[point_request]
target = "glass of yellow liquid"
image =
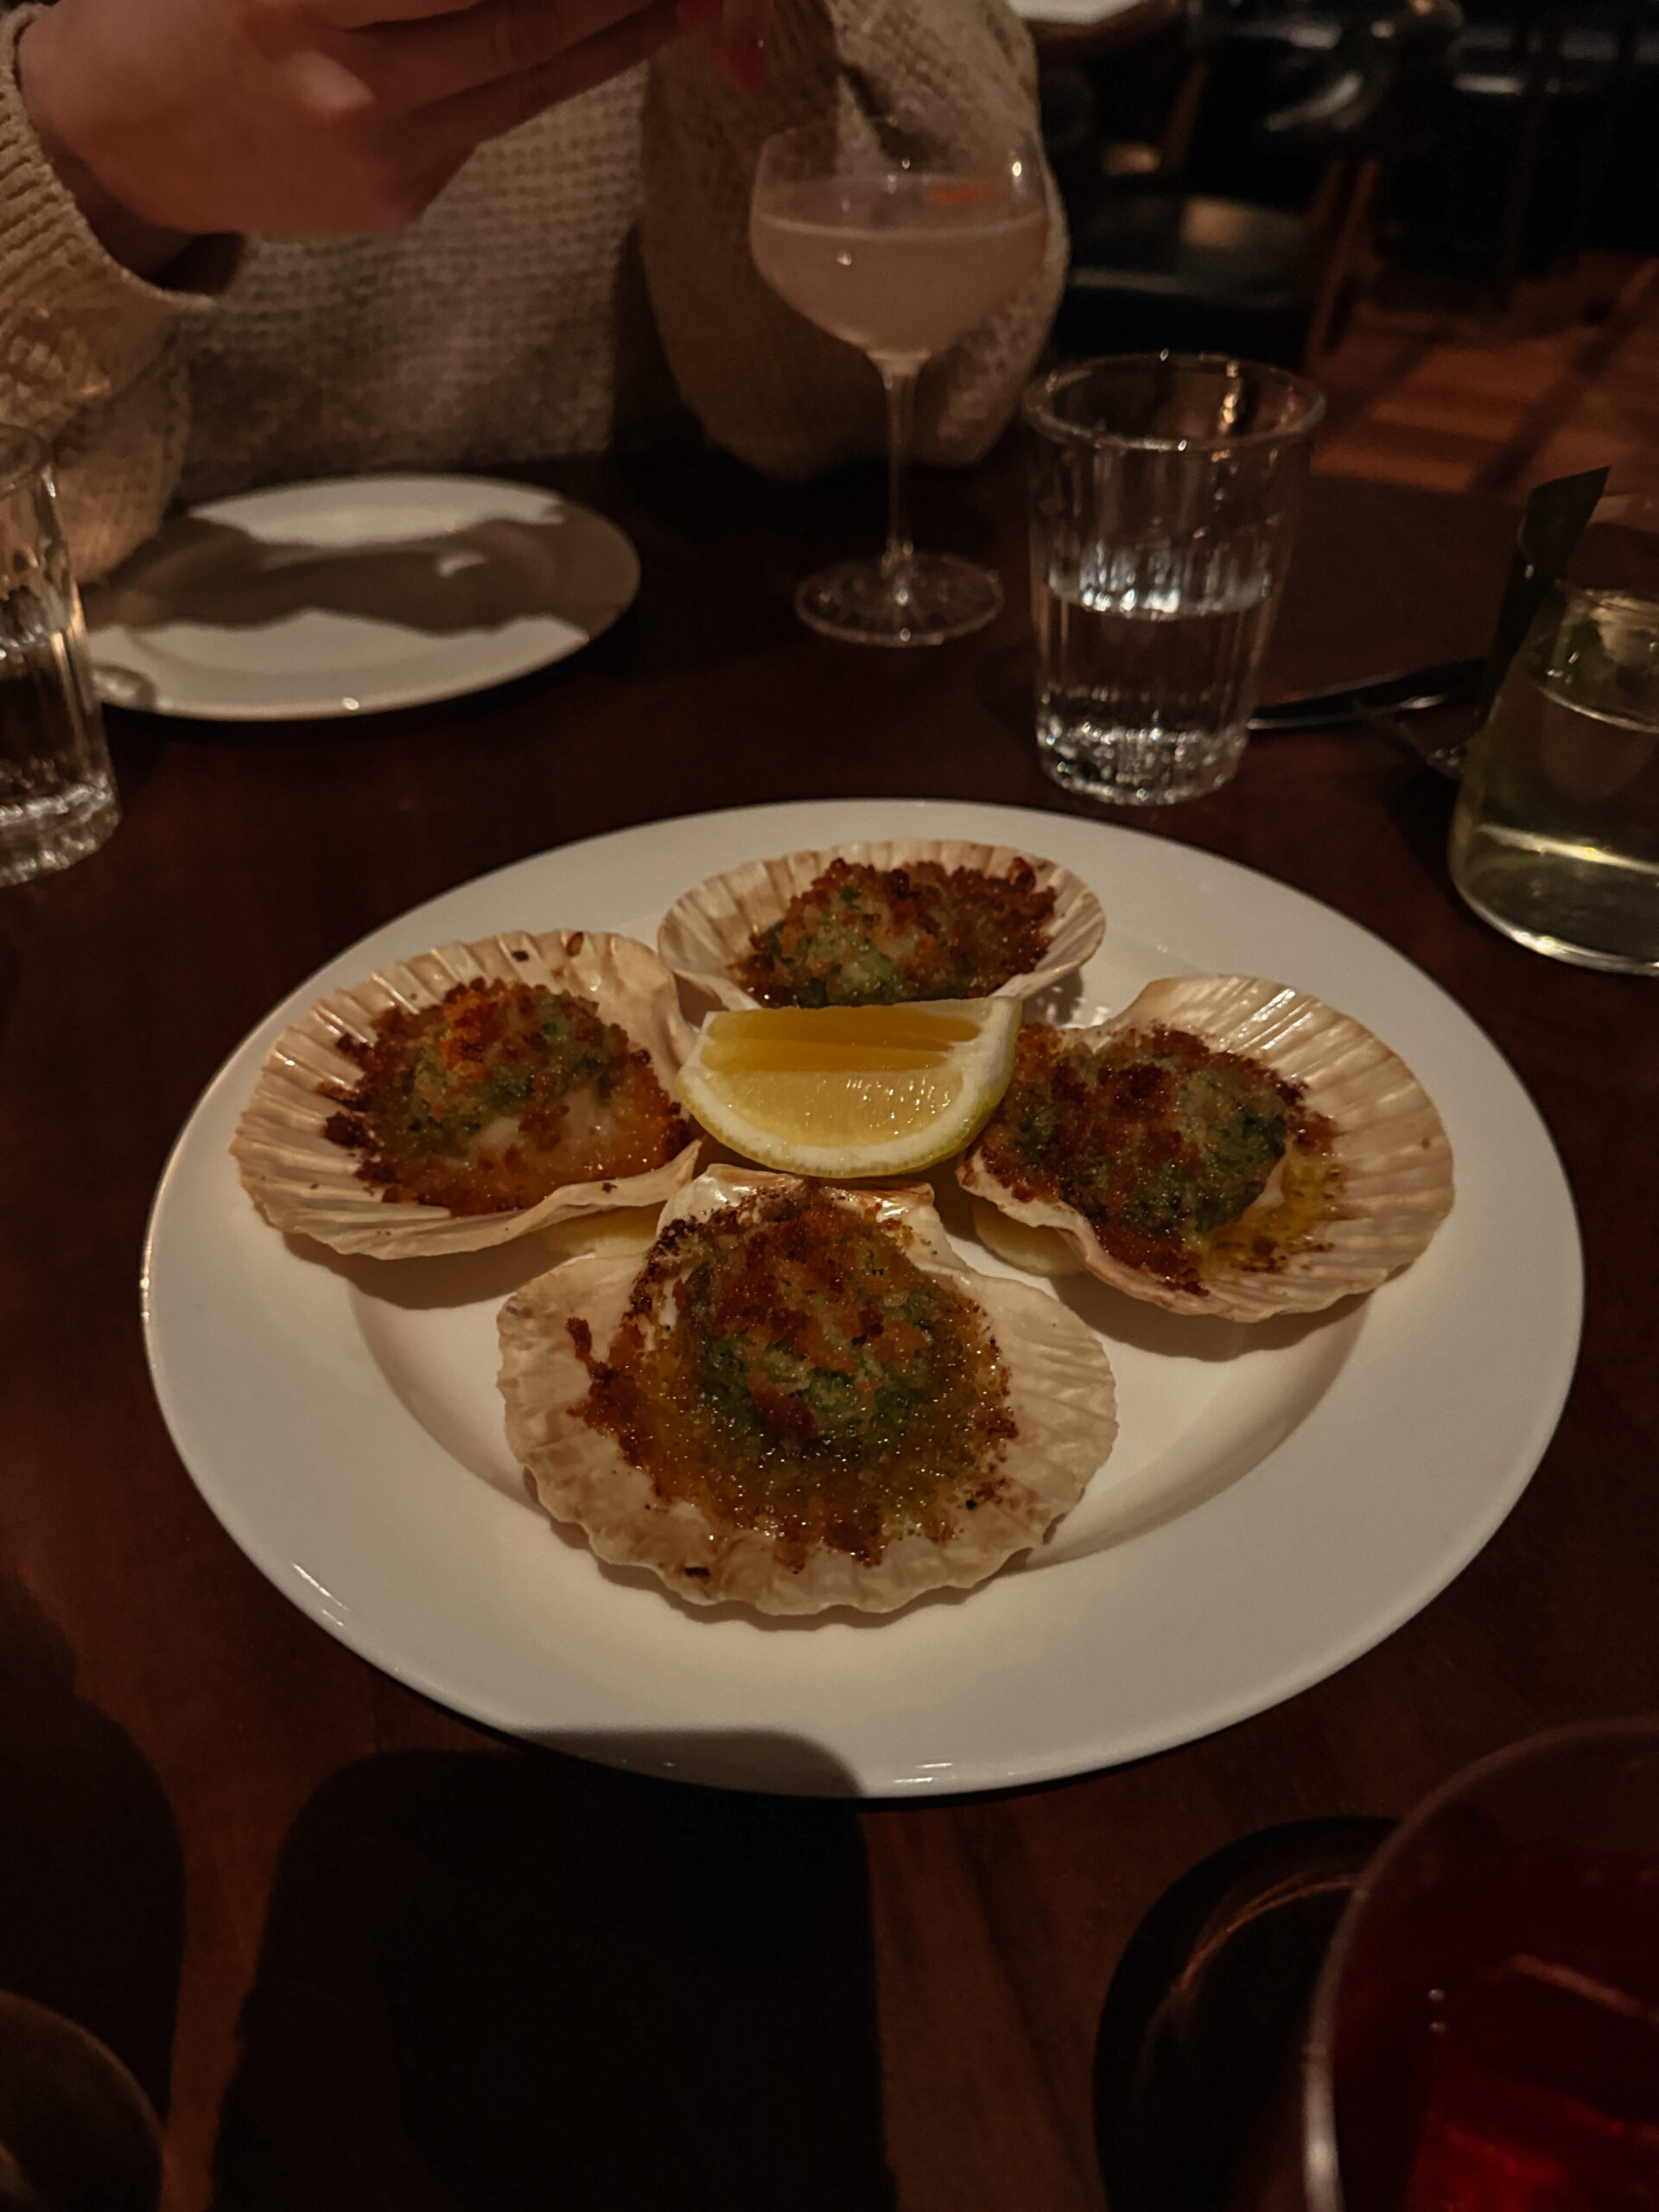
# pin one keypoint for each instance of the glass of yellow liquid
(1555, 839)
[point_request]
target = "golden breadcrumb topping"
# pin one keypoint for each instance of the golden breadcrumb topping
(500, 1095)
(785, 1366)
(861, 936)
(1163, 1145)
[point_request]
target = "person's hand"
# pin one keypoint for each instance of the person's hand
(170, 118)
(734, 32)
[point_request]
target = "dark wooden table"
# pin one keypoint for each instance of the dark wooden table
(417, 1969)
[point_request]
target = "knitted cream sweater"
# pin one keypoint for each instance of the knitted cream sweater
(568, 281)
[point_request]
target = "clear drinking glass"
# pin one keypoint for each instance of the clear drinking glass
(76, 2130)
(1485, 2032)
(1555, 839)
(57, 792)
(1164, 495)
(897, 238)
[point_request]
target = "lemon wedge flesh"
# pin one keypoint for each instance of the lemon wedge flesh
(852, 1090)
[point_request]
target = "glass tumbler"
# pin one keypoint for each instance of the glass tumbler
(1164, 492)
(1556, 838)
(57, 792)
(1485, 2031)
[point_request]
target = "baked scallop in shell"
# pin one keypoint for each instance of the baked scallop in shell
(871, 924)
(471, 1094)
(1225, 1146)
(802, 1399)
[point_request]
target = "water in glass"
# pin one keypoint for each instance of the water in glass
(1556, 835)
(57, 794)
(1163, 497)
(1144, 669)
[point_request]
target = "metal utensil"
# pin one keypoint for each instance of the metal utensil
(1441, 683)
(1445, 758)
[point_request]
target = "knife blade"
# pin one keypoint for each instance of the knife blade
(1404, 693)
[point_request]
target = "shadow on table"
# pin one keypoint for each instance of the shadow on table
(1419, 804)
(479, 578)
(496, 1979)
(91, 1875)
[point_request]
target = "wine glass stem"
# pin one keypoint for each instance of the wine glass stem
(899, 380)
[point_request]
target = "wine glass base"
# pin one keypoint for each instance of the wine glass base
(933, 598)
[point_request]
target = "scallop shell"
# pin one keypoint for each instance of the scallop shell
(1060, 1394)
(307, 1184)
(1395, 1161)
(705, 933)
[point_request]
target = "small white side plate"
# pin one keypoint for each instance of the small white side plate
(354, 596)
(1085, 12)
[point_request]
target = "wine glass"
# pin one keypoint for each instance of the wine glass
(1485, 2031)
(898, 239)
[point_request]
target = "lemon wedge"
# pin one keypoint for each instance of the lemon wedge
(852, 1090)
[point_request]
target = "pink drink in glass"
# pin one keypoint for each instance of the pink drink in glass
(898, 265)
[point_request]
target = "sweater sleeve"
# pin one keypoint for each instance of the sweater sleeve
(91, 358)
(763, 382)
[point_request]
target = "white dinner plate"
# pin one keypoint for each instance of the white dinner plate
(1281, 1497)
(353, 595)
(1071, 12)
